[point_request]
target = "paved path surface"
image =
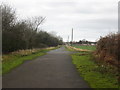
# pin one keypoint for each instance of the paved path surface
(53, 70)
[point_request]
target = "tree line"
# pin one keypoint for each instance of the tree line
(83, 42)
(24, 34)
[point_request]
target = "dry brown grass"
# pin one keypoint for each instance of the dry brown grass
(23, 52)
(78, 49)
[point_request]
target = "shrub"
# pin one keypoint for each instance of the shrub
(108, 49)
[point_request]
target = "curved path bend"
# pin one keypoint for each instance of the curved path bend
(53, 70)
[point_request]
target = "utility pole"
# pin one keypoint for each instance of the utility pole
(72, 37)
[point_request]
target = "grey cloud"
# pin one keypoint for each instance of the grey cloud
(96, 17)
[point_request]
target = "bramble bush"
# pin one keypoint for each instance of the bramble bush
(108, 49)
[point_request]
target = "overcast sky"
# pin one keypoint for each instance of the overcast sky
(90, 19)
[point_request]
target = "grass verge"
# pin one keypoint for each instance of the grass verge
(87, 47)
(98, 76)
(14, 60)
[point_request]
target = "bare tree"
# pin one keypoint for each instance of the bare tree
(35, 22)
(38, 21)
(33, 25)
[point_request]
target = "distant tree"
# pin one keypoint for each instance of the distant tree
(80, 42)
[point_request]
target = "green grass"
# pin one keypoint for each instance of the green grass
(14, 61)
(86, 47)
(96, 75)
